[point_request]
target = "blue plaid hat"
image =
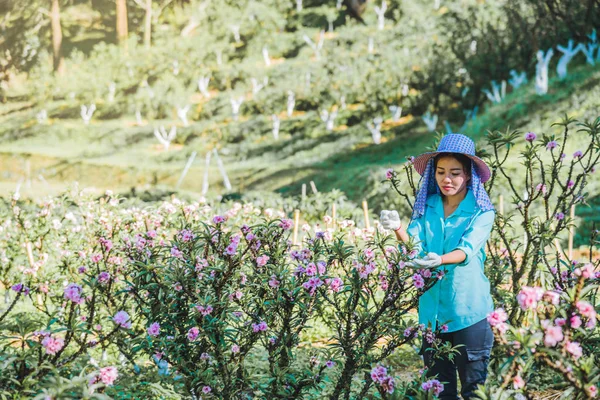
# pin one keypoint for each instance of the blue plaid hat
(480, 172)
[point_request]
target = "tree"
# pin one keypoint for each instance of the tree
(59, 63)
(146, 5)
(122, 29)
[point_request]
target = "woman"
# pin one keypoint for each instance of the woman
(452, 220)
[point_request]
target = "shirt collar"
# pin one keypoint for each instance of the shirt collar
(467, 206)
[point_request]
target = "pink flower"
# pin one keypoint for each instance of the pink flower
(518, 382)
(106, 244)
(497, 316)
(273, 282)
(586, 309)
(575, 321)
(530, 136)
(154, 329)
(177, 287)
(217, 219)
(575, 349)
(593, 390)
(418, 281)
(96, 257)
(541, 188)
(73, 292)
(389, 174)
(529, 296)
(553, 335)
(121, 318)
(193, 334)
(206, 389)
(559, 216)
(335, 284)
(262, 260)
(551, 297)
(587, 271)
(108, 375)
(551, 145)
(235, 348)
(53, 345)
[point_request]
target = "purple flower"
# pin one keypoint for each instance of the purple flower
(530, 136)
(411, 159)
(231, 249)
(286, 224)
(559, 216)
(551, 145)
(121, 318)
(186, 235)
(217, 219)
(154, 329)
(20, 288)
(434, 386)
(103, 277)
(389, 174)
(73, 292)
(262, 260)
(330, 363)
(418, 281)
(577, 154)
(193, 334)
(106, 244)
(175, 252)
(206, 389)
(570, 184)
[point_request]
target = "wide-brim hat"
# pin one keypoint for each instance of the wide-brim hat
(455, 143)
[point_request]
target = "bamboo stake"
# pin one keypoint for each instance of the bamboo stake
(501, 207)
(366, 212)
(571, 232)
(296, 221)
(303, 191)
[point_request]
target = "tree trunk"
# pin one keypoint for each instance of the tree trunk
(122, 30)
(59, 64)
(148, 24)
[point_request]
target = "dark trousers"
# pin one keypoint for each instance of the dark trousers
(471, 364)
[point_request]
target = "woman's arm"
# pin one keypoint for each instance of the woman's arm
(454, 257)
(401, 234)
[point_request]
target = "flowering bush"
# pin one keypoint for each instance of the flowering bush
(200, 300)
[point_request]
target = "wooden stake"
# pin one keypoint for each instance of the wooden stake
(501, 207)
(303, 191)
(333, 214)
(296, 222)
(313, 187)
(571, 232)
(366, 212)
(30, 255)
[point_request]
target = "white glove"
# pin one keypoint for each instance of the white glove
(390, 220)
(431, 260)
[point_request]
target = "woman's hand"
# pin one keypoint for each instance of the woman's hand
(431, 260)
(390, 220)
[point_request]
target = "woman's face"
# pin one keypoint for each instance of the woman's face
(451, 176)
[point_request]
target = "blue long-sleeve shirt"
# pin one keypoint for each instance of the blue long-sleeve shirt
(462, 297)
